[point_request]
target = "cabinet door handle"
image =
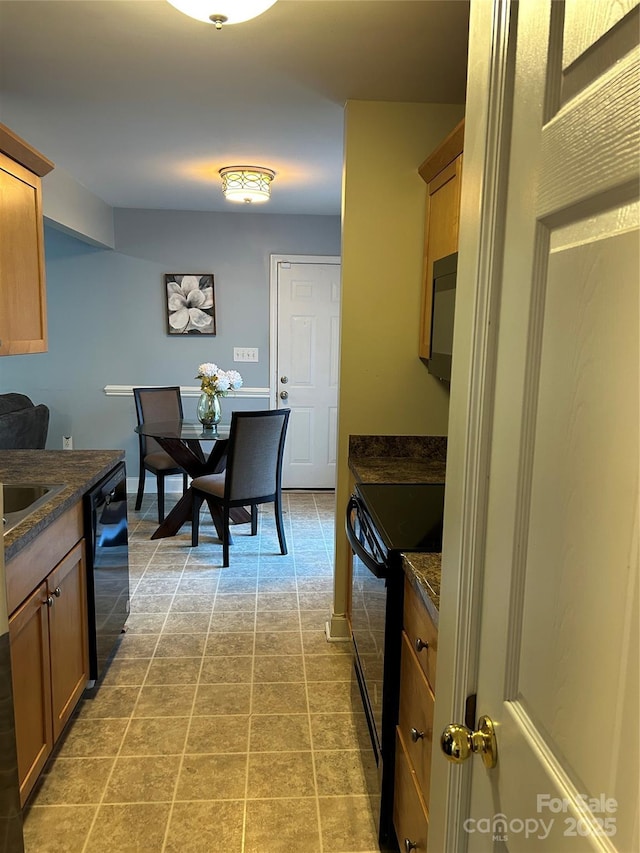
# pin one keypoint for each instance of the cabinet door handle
(409, 845)
(416, 735)
(49, 601)
(57, 592)
(421, 644)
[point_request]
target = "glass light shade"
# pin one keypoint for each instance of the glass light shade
(220, 12)
(247, 184)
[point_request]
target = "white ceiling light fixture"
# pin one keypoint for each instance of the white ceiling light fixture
(247, 184)
(219, 12)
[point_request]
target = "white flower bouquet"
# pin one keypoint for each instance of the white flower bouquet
(214, 380)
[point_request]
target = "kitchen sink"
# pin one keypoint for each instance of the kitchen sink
(21, 499)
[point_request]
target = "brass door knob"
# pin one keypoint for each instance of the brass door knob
(458, 742)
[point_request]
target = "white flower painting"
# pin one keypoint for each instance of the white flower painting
(190, 304)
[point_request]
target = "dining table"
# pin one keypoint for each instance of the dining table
(185, 442)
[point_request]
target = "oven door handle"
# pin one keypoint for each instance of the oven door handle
(377, 569)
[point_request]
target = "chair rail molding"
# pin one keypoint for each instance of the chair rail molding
(187, 391)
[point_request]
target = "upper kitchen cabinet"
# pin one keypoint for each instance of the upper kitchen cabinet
(23, 307)
(442, 172)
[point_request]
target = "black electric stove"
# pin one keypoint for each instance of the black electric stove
(382, 522)
(406, 516)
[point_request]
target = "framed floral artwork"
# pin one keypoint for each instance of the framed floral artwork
(191, 308)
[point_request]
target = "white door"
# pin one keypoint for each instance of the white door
(549, 546)
(307, 368)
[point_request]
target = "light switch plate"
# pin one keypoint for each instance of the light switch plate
(245, 353)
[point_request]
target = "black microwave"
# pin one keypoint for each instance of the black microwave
(442, 315)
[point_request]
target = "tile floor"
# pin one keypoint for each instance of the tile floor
(225, 723)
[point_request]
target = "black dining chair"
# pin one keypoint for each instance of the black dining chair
(253, 475)
(155, 405)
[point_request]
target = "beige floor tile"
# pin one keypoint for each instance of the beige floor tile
(226, 669)
(126, 672)
(110, 702)
(235, 602)
(346, 823)
(279, 698)
(233, 621)
(278, 620)
(330, 696)
(143, 779)
(129, 828)
(93, 738)
(165, 701)
(277, 601)
(229, 643)
(193, 603)
(328, 667)
(222, 733)
(145, 623)
(339, 772)
(279, 732)
(174, 671)
(316, 601)
(213, 699)
(180, 645)
(206, 827)
(157, 586)
(137, 646)
(151, 603)
(206, 777)
(74, 780)
(278, 643)
(280, 774)
(186, 623)
(337, 731)
(278, 668)
(155, 736)
(282, 826)
(315, 643)
(57, 829)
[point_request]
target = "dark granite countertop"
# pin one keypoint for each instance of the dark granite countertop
(77, 469)
(398, 458)
(405, 459)
(423, 571)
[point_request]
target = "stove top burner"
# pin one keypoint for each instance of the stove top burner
(407, 516)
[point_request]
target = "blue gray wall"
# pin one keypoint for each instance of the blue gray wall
(107, 316)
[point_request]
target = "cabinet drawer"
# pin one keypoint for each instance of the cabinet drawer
(416, 715)
(409, 814)
(421, 633)
(31, 565)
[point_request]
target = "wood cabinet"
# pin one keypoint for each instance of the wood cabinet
(414, 732)
(49, 653)
(442, 172)
(23, 308)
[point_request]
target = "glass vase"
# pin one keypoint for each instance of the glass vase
(209, 412)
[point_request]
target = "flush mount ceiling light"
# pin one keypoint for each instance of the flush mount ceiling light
(221, 12)
(247, 184)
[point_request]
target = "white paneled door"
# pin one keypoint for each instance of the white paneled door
(308, 331)
(556, 572)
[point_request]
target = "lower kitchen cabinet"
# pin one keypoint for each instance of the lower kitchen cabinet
(50, 662)
(414, 733)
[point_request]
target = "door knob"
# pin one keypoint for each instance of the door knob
(458, 742)
(284, 379)
(284, 395)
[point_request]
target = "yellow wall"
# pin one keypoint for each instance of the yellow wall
(385, 388)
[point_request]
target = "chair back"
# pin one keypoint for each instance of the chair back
(155, 405)
(23, 426)
(255, 451)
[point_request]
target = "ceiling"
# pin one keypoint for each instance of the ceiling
(142, 104)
